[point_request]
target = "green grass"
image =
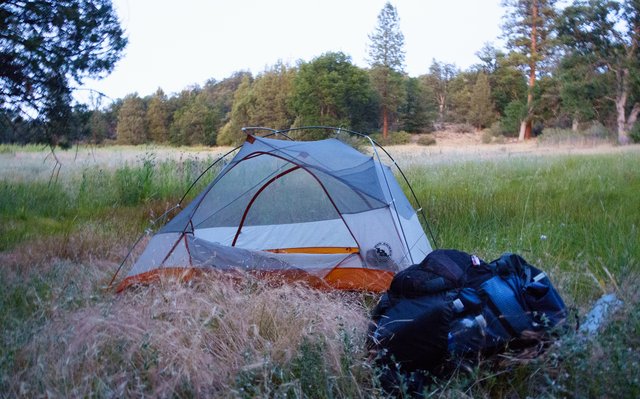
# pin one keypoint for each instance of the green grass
(32, 209)
(576, 217)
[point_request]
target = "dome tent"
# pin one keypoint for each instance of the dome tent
(314, 210)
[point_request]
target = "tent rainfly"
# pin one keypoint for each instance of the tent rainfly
(314, 210)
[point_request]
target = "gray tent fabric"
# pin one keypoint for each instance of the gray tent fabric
(321, 207)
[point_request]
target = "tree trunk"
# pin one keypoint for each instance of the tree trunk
(575, 124)
(385, 123)
(525, 131)
(624, 125)
(442, 100)
(523, 128)
(633, 116)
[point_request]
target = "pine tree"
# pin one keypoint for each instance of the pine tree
(529, 29)
(47, 48)
(386, 56)
(419, 109)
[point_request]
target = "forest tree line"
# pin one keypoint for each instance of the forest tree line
(574, 68)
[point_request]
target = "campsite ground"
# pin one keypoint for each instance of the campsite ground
(571, 209)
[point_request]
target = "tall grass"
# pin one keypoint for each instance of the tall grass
(577, 217)
(63, 335)
(131, 195)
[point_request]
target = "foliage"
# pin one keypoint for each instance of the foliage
(438, 80)
(132, 121)
(635, 133)
(507, 84)
(158, 117)
(529, 30)
(419, 109)
(461, 97)
(481, 112)
(386, 48)
(605, 35)
(395, 138)
(426, 140)
(386, 57)
(194, 123)
(48, 46)
(272, 91)
(331, 91)
(231, 133)
(513, 114)
(583, 69)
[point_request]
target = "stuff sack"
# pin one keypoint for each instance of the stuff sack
(455, 305)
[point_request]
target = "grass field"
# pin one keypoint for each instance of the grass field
(575, 216)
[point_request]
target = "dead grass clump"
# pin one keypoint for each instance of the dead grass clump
(174, 339)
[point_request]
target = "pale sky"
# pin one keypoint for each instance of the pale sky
(174, 44)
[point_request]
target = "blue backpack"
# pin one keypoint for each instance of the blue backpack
(455, 306)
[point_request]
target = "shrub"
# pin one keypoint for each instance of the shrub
(463, 128)
(426, 140)
(394, 138)
(634, 135)
(598, 130)
(513, 115)
(487, 136)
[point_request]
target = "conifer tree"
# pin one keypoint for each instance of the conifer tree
(49, 46)
(386, 57)
(529, 30)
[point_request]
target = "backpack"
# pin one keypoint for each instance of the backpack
(453, 306)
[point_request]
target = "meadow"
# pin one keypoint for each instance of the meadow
(64, 334)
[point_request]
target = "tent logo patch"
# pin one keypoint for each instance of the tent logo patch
(383, 251)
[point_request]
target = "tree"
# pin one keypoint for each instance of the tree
(461, 96)
(529, 30)
(439, 79)
(132, 121)
(607, 33)
(272, 92)
(158, 117)
(418, 109)
(243, 101)
(581, 88)
(47, 47)
(218, 96)
(195, 123)
(98, 126)
(481, 112)
(386, 55)
(330, 90)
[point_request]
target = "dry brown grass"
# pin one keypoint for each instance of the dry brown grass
(175, 339)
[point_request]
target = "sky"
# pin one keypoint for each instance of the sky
(175, 44)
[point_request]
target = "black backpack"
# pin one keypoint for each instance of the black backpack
(454, 305)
